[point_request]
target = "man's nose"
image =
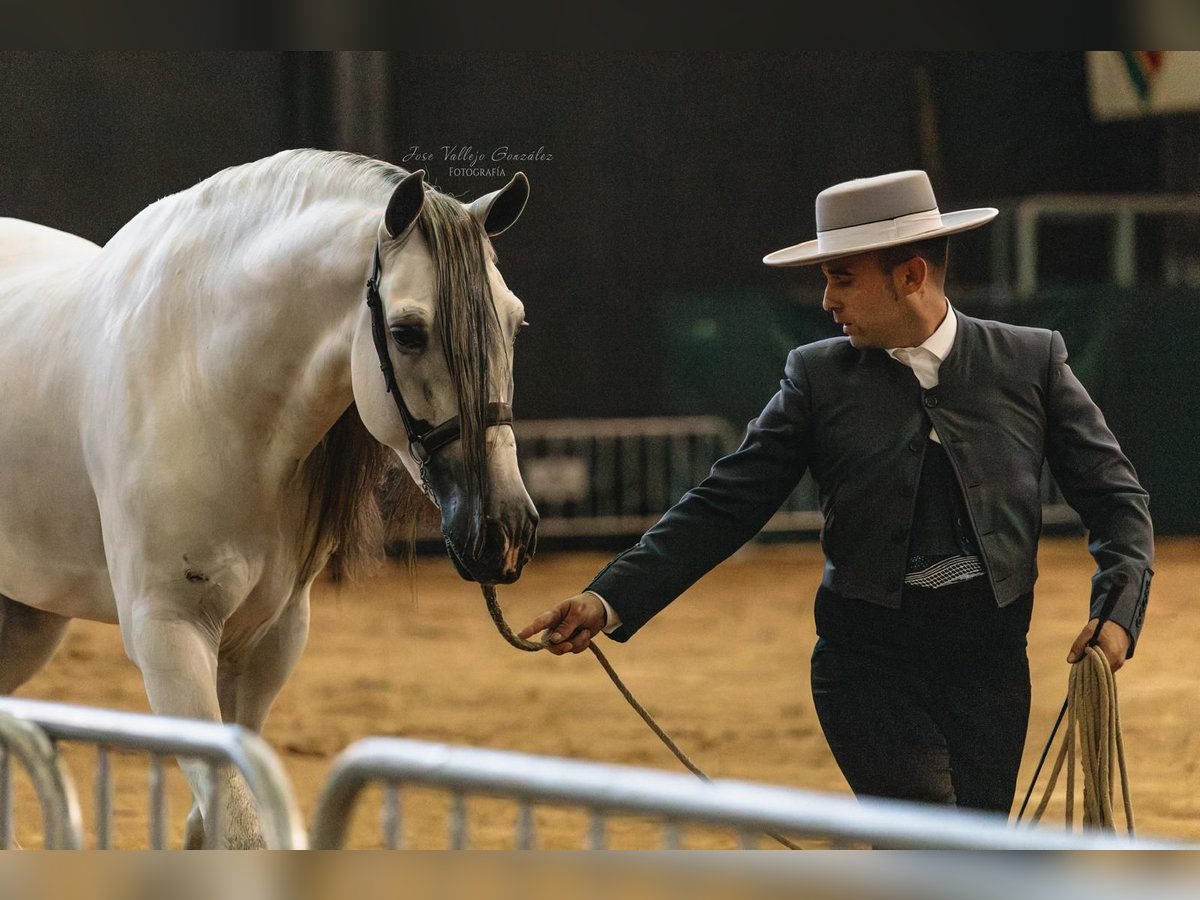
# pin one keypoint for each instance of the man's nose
(826, 303)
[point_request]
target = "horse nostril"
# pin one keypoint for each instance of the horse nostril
(508, 549)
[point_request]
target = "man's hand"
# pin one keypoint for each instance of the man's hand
(572, 624)
(1113, 643)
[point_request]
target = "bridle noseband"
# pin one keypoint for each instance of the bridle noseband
(424, 439)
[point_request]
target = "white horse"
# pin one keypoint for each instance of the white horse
(182, 446)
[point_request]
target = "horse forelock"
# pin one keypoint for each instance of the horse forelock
(468, 327)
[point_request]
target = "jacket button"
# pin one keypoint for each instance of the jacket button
(930, 401)
(914, 445)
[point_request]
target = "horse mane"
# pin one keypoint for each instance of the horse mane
(356, 489)
(292, 179)
(350, 490)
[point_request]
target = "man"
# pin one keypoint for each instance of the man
(926, 432)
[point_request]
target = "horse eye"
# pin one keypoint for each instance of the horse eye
(410, 338)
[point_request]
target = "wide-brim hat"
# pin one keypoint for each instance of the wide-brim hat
(873, 213)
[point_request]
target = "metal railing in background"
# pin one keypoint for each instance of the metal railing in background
(62, 827)
(614, 477)
(1018, 233)
(601, 477)
(677, 799)
(220, 746)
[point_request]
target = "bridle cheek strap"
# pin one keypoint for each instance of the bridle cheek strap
(424, 439)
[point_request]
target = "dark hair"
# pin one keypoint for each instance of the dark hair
(934, 251)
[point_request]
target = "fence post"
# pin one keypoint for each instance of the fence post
(61, 820)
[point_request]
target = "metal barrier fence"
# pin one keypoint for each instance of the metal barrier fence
(31, 729)
(603, 477)
(220, 746)
(605, 790)
(1017, 234)
(613, 477)
(61, 822)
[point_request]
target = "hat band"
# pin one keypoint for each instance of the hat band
(871, 233)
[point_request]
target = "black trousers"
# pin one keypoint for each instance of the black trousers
(929, 702)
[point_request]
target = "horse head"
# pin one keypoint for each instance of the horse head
(442, 328)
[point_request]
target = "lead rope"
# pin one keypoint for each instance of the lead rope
(489, 594)
(1091, 710)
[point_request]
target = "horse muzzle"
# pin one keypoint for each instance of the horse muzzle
(503, 550)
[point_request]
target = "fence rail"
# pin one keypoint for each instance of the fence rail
(1122, 212)
(607, 789)
(62, 825)
(29, 730)
(163, 736)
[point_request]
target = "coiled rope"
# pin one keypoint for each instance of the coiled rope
(1092, 712)
(493, 605)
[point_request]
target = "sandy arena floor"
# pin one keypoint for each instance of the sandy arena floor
(725, 669)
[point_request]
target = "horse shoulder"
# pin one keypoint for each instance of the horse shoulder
(191, 527)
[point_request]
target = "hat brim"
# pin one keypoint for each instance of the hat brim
(808, 253)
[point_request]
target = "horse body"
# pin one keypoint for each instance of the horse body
(169, 405)
(51, 551)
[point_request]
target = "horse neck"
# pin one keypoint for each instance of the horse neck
(257, 316)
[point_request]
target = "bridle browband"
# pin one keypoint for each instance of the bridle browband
(424, 439)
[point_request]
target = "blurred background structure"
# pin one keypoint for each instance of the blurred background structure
(659, 182)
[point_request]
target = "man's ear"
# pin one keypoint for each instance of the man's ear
(910, 276)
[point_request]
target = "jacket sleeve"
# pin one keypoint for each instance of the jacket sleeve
(1100, 484)
(741, 493)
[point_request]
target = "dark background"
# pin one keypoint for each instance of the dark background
(672, 174)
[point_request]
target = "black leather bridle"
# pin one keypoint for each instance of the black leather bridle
(424, 439)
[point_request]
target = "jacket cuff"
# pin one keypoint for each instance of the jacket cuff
(612, 621)
(605, 586)
(1124, 598)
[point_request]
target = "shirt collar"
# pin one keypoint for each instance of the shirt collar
(941, 341)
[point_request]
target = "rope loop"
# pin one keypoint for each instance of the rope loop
(1094, 735)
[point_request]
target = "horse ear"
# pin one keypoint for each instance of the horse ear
(497, 211)
(406, 204)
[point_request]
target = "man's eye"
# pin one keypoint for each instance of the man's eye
(411, 338)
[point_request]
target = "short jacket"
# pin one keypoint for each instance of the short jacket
(1006, 402)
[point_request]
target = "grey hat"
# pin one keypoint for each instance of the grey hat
(872, 213)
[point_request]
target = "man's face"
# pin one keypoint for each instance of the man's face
(865, 302)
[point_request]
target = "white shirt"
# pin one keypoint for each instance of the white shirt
(925, 361)
(613, 622)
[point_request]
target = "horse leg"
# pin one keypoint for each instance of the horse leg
(178, 660)
(247, 687)
(261, 676)
(28, 638)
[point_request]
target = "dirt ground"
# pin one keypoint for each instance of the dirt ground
(725, 668)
